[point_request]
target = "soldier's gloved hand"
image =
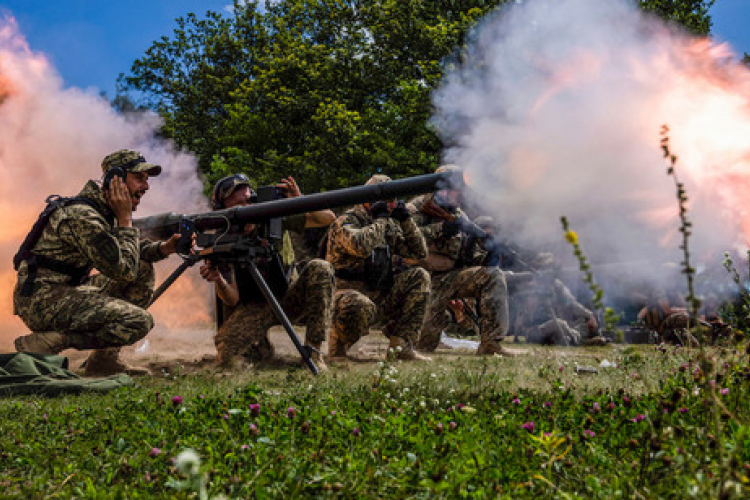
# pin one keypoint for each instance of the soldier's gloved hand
(400, 213)
(451, 227)
(379, 209)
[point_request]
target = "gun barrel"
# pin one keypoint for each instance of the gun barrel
(163, 225)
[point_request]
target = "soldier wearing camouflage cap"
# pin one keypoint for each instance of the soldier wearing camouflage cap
(366, 246)
(456, 263)
(306, 297)
(55, 295)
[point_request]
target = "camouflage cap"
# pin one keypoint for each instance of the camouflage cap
(448, 167)
(130, 161)
(225, 187)
(377, 179)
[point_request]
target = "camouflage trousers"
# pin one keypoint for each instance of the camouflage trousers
(558, 332)
(308, 300)
(399, 311)
(486, 285)
(102, 313)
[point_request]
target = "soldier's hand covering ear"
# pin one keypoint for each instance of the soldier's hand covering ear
(379, 209)
(451, 227)
(400, 213)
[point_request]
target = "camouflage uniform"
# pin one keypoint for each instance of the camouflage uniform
(454, 277)
(109, 309)
(548, 313)
(400, 309)
(308, 299)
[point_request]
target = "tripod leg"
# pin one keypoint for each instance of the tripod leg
(282, 317)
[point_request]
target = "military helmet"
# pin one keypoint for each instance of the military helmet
(225, 187)
(130, 161)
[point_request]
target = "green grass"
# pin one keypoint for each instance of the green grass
(653, 427)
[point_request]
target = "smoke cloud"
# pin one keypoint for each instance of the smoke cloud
(52, 140)
(556, 109)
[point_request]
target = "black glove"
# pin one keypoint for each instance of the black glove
(379, 209)
(451, 227)
(400, 213)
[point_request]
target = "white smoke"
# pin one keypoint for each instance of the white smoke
(556, 109)
(53, 139)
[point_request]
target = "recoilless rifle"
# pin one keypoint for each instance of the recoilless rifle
(220, 237)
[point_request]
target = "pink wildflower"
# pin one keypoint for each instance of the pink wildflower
(255, 409)
(155, 452)
(588, 433)
(177, 400)
(529, 426)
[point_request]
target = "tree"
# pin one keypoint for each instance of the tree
(691, 14)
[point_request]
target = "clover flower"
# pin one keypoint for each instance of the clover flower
(595, 407)
(529, 426)
(254, 409)
(355, 432)
(588, 433)
(452, 426)
(682, 410)
(176, 400)
(724, 391)
(155, 452)
(516, 401)
(547, 404)
(291, 412)
(253, 429)
(639, 418)
(439, 428)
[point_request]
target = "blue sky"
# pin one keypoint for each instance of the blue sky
(91, 42)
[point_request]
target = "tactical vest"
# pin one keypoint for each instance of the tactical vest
(78, 275)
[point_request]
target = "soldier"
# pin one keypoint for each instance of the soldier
(548, 313)
(54, 295)
(308, 296)
(366, 246)
(456, 264)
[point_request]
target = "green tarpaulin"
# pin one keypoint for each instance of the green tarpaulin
(22, 373)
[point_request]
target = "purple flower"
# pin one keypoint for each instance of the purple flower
(724, 391)
(595, 407)
(439, 428)
(516, 401)
(44, 417)
(547, 404)
(529, 426)
(177, 400)
(588, 433)
(459, 405)
(612, 405)
(639, 418)
(546, 434)
(254, 409)
(561, 368)
(253, 429)
(452, 426)
(225, 416)
(333, 413)
(291, 412)
(245, 447)
(155, 452)
(355, 432)
(682, 410)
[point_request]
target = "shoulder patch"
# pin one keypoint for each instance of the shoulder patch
(107, 247)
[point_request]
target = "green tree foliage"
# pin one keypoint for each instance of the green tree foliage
(691, 14)
(329, 91)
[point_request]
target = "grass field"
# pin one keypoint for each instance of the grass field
(660, 423)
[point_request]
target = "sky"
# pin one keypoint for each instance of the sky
(91, 42)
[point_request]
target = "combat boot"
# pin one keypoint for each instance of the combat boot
(490, 347)
(106, 362)
(404, 351)
(42, 343)
(317, 356)
(597, 341)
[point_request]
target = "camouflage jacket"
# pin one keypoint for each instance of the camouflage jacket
(446, 252)
(355, 234)
(79, 235)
